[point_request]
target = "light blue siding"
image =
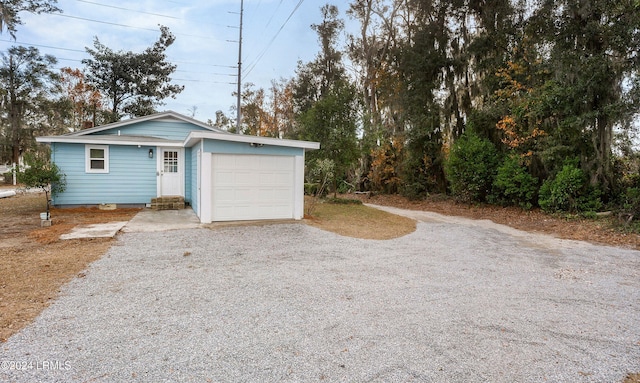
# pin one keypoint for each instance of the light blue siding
(194, 178)
(187, 175)
(227, 147)
(160, 129)
(131, 178)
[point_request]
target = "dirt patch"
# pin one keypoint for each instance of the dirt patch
(34, 262)
(360, 221)
(600, 231)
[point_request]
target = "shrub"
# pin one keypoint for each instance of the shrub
(386, 162)
(471, 167)
(44, 176)
(320, 173)
(629, 204)
(311, 188)
(344, 201)
(8, 178)
(568, 191)
(514, 185)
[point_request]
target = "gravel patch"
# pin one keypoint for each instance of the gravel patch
(447, 303)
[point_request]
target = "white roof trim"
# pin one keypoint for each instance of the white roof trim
(111, 140)
(195, 137)
(157, 116)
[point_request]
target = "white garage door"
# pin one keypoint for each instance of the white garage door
(246, 187)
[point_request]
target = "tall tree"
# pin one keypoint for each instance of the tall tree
(423, 61)
(328, 64)
(86, 102)
(26, 79)
(370, 52)
(282, 109)
(326, 102)
(315, 79)
(10, 12)
(254, 115)
(134, 83)
(593, 52)
(333, 121)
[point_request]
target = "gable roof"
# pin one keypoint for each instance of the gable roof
(164, 116)
(87, 137)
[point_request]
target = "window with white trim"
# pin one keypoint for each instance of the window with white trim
(96, 158)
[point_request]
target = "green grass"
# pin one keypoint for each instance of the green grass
(359, 221)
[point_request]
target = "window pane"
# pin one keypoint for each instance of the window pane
(96, 153)
(97, 164)
(170, 161)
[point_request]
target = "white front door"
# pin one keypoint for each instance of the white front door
(171, 172)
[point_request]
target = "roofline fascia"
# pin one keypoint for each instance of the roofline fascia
(194, 137)
(88, 140)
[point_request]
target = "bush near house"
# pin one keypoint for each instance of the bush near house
(514, 185)
(569, 191)
(471, 167)
(44, 176)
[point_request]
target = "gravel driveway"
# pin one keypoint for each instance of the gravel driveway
(455, 301)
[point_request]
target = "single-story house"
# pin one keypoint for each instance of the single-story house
(222, 176)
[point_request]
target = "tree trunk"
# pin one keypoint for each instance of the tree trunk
(602, 146)
(14, 115)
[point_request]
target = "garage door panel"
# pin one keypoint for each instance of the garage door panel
(244, 195)
(246, 187)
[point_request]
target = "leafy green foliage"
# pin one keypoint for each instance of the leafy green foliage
(134, 83)
(332, 121)
(327, 102)
(472, 167)
(422, 168)
(569, 191)
(311, 188)
(386, 163)
(320, 172)
(10, 12)
(514, 185)
(43, 175)
(26, 83)
(630, 203)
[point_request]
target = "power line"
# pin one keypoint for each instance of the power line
(264, 51)
(203, 64)
(129, 26)
(127, 9)
(203, 81)
(103, 22)
(21, 43)
(273, 14)
(206, 73)
(43, 46)
(266, 26)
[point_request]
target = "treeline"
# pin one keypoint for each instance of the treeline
(518, 102)
(506, 101)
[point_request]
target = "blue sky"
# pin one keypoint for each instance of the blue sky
(206, 48)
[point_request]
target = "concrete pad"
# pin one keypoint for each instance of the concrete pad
(7, 193)
(162, 220)
(99, 230)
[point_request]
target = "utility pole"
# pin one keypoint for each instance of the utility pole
(239, 111)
